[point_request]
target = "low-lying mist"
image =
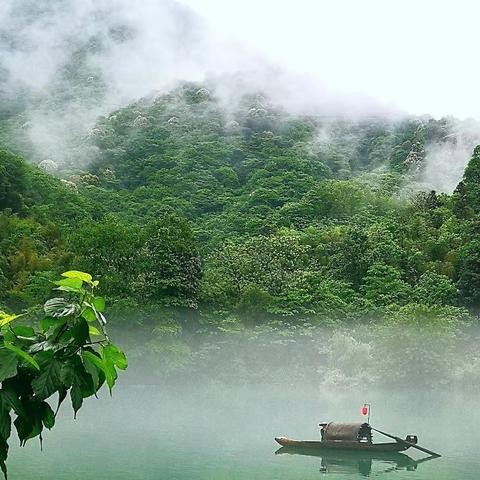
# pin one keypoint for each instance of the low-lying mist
(362, 357)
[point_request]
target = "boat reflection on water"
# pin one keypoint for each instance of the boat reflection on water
(351, 462)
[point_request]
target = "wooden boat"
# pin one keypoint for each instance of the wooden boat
(348, 436)
(358, 446)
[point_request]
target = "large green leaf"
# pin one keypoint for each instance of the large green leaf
(48, 416)
(99, 304)
(66, 374)
(31, 425)
(28, 333)
(6, 319)
(79, 332)
(62, 395)
(8, 335)
(86, 277)
(107, 367)
(48, 322)
(8, 364)
(82, 387)
(93, 330)
(95, 367)
(73, 283)
(59, 307)
(48, 380)
(76, 397)
(9, 399)
(110, 373)
(89, 314)
(95, 359)
(111, 353)
(24, 355)
(112, 357)
(5, 422)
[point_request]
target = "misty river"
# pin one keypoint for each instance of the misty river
(215, 416)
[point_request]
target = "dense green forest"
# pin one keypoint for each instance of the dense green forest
(195, 214)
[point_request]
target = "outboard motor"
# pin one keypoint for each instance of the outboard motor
(412, 439)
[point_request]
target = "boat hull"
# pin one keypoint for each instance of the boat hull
(341, 445)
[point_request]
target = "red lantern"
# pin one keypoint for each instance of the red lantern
(364, 410)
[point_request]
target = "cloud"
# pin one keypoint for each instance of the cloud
(445, 161)
(70, 61)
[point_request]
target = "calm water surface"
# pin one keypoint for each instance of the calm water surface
(150, 432)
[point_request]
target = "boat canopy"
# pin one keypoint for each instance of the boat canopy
(347, 432)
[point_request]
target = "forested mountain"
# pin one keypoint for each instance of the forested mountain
(243, 213)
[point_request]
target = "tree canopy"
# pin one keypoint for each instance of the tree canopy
(251, 210)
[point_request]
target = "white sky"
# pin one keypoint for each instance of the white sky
(422, 56)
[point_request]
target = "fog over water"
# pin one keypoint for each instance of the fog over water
(219, 423)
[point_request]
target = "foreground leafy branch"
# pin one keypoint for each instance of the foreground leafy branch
(59, 357)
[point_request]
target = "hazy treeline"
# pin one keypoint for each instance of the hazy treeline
(362, 356)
